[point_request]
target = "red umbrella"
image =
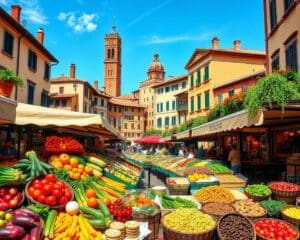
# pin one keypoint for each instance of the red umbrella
(151, 140)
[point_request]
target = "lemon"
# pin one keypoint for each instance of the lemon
(8, 216)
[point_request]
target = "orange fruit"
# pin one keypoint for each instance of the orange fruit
(71, 175)
(90, 193)
(58, 165)
(80, 171)
(76, 176)
(64, 158)
(82, 177)
(68, 167)
(92, 202)
(73, 162)
(75, 170)
(88, 169)
(80, 166)
(52, 158)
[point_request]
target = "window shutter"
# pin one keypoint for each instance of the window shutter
(198, 77)
(192, 80)
(207, 100)
(198, 102)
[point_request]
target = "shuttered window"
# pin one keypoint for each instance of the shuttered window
(199, 102)
(291, 60)
(207, 99)
(273, 14)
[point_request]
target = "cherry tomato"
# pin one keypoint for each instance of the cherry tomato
(31, 190)
(68, 194)
(44, 181)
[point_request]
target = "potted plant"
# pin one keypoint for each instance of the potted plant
(7, 81)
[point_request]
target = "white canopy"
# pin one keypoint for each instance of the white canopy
(48, 117)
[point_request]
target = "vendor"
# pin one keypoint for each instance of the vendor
(235, 159)
(8, 151)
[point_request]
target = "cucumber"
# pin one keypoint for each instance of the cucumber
(49, 223)
(87, 216)
(94, 167)
(96, 161)
(104, 209)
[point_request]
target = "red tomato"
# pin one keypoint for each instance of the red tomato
(51, 200)
(63, 200)
(42, 199)
(31, 190)
(36, 181)
(47, 190)
(44, 181)
(13, 191)
(56, 193)
(57, 186)
(68, 194)
(36, 194)
(50, 177)
(37, 185)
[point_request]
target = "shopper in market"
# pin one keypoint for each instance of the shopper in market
(235, 159)
(8, 151)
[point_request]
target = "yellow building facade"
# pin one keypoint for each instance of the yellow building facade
(282, 29)
(208, 67)
(25, 55)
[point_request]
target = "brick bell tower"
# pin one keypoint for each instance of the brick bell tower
(112, 63)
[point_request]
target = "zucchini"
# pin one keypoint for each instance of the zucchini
(94, 167)
(97, 214)
(87, 216)
(97, 223)
(49, 223)
(104, 209)
(96, 161)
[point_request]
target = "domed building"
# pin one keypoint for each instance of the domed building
(156, 71)
(155, 75)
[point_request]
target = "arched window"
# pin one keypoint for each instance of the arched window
(166, 121)
(159, 122)
(108, 53)
(113, 53)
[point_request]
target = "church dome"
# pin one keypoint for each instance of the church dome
(156, 65)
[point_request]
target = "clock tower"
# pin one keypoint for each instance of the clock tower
(112, 63)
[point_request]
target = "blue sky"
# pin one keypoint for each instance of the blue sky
(75, 31)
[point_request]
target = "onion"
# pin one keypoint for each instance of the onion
(72, 207)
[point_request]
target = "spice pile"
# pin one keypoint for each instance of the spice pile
(235, 227)
(218, 209)
(189, 221)
(214, 194)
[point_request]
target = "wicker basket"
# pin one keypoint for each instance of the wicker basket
(281, 195)
(57, 207)
(262, 238)
(153, 223)
(220, 237)
(257, 198)
(289, 219)
(170, 234)
(178, 189)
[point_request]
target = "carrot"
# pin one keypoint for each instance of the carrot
(110, 191)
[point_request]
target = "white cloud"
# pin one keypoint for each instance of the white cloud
(155, 39)
(32, 12)
(147, 13)
(83, 23)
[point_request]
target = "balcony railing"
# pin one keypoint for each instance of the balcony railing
(182, 107)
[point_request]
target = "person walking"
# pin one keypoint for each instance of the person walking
(235, 159)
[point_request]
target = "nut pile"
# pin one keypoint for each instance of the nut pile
(235, 227)
(249, 208)
(200, 170)
(218, 209)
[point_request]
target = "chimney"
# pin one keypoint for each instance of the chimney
(40, 35)
(237, 45)
(72, 71)
(16, 12)
(215, 43)
(96, 84)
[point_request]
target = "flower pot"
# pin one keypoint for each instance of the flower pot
(6, 88)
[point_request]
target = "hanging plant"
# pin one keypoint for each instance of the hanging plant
(273, 88)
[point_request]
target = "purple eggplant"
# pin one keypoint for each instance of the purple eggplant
(23, 221)
(35, 233)
(26, 237)
(12, 232)
(26, 213)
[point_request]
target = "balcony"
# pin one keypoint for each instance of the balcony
(182, 107)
